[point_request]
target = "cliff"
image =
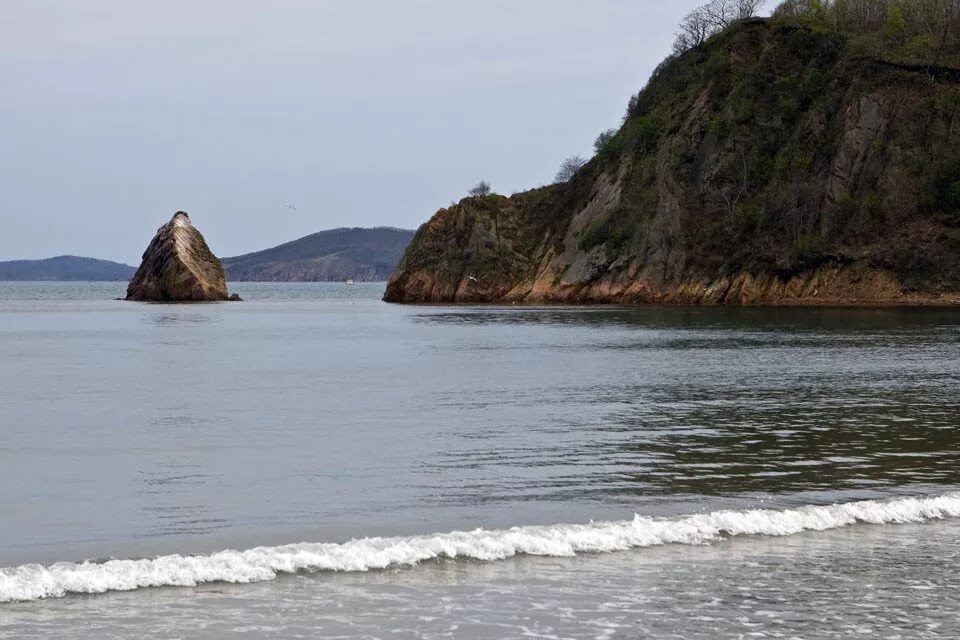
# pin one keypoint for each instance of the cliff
(178, 266)
(779, 163)
(65, 268)
(363, 255)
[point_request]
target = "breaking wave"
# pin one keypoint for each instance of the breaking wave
(33, 581)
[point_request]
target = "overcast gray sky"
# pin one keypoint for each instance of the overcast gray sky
(116, 113)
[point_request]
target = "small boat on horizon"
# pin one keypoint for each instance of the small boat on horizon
(349, 281)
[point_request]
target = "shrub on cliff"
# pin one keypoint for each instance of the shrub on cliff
(607, 144)
(482, 189)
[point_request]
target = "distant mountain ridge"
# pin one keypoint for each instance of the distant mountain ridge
(363, 255)
(65, 268)
(359, 254)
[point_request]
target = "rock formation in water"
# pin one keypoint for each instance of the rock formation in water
(778, 163)
(178, 266)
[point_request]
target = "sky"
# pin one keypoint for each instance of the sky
(117, 113)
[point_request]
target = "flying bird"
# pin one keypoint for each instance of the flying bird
(472, 279)
(289, 206)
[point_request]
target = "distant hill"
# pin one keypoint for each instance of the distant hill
(363, 255)
(71, 268)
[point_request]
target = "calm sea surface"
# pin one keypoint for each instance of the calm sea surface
(313, 463)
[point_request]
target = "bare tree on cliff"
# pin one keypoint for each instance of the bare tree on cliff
(481, 189)
(719, 14)
(694, 31)
(732, 193)
(748, 8)
(569, 168)
(712, 18)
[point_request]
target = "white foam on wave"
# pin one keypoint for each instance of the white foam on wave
(34, 581)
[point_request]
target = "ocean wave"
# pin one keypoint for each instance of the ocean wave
(34, 581)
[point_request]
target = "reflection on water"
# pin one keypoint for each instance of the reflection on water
(184, 318)
(716, 402)
(777, 319)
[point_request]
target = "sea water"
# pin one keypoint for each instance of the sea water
(315, 463)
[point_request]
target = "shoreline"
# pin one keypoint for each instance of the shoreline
(805, 303)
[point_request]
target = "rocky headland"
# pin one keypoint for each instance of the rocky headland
(781, 161)
(178, 266)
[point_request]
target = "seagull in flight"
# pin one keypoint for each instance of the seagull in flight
(472, 279)
(290, 206)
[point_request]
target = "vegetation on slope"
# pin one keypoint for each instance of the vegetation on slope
(776, 97)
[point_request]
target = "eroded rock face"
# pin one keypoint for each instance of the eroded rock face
(178, 266)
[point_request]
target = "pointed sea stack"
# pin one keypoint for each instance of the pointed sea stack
(178, 266)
